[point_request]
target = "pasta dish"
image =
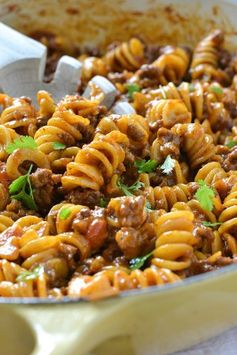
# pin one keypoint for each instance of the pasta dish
(94, 203)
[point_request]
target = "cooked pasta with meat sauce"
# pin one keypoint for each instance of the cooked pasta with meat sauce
(94, 203)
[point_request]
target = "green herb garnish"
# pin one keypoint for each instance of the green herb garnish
(231, 144)
(64, 213)
(144, 166)
(216, 89)
(30, 275)
(168, 165)
(58, 146)
(103, 202)
(137, 263)
(127, 190)
(132, 88)
(205, 195)
(211, 224)
(21, 142)
(191, 88)
(21, 190)
(148, 206)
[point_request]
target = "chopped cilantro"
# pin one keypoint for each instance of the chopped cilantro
(58, 146)
(127, 190)
(21, 142)
(231, 144)
(64, 213)
(168, 165)
(205, 195)
(103, 202)
(144, 166)
(216, 89)
(30, 275)
(137, 263)
(132, 88)
(21, 190)
(211, 224)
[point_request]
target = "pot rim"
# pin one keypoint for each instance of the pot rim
(193, 280)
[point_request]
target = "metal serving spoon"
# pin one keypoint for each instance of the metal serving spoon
(22, 66)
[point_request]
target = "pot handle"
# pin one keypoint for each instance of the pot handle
(73, 328)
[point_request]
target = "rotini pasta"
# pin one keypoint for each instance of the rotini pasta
(96, 161)
(127, 55)
(94, 203)
(174, 245)
(205, 58)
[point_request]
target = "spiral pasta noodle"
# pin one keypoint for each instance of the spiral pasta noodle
(92, 66)
(112, 281)
(174, 245)
(7, 135)
(134, 126)
(127, 55)
(4, 197)
(167, 113)
(173, 64)
(198, 145)
(166, 196)
(228, 219)
(18, 114)
(205, 58)
(64, 127)
(102, 150)
(10, 288)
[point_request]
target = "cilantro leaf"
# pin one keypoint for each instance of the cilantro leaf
(30, 275)
(103, 202)
(216, 89)
(137, 263)
(58, 146)
(21, 190)
(64, 213)
(127, 190)
(191, 88)
(148, 206)
(211, 224)
(205, 195)
(132, 88)
(168, 165)
(17, 184)
(21, 142)
(231, 144)
(144, 166)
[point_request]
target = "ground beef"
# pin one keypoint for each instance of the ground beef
(223, 186)
(224, 58)
(152, 52)
(15, 210)
(149, 76)
(130, 241)
(43, 186)
(86, 197)
(119, 78)
(133, 242)
(230, 163)
(169, 144)
(4, 178)
(199, 267)
(126, 211)
(91, 266)
(93, 225)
